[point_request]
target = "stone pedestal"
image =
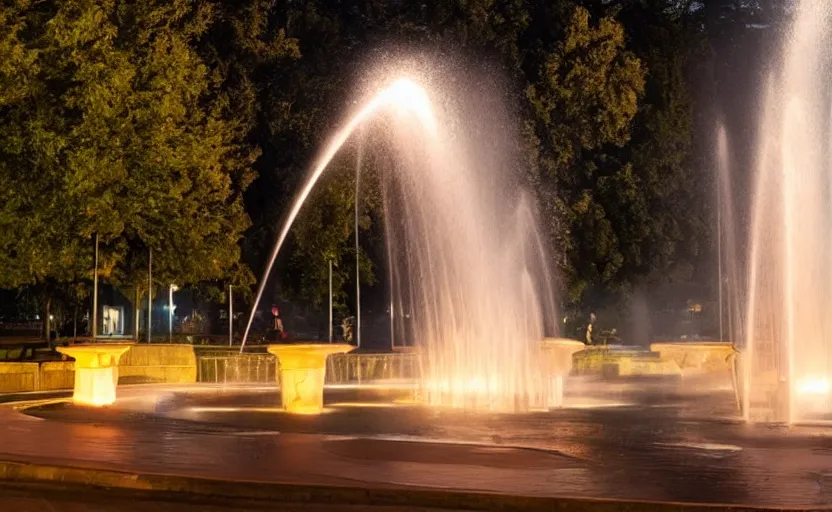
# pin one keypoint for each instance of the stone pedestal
(96, 372)
(301, 374)
(556, 359)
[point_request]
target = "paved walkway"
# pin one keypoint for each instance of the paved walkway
(624, 453)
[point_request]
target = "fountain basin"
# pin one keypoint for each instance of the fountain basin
(302, 372)
(616, 361)
(96, 372)
(702, 357)
(235, 433)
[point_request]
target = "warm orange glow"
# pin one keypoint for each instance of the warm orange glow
(96, 372)
(554, 363)
(819, 386)
(301, 373)
(556, 355)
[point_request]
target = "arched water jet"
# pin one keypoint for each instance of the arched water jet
(464, 247)
(404, 95)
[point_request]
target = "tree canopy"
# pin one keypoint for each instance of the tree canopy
(114, 125)
(185, 127)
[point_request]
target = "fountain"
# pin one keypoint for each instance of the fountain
(464, 244)
(302, 373)
(96, 372)
(556, 358)
(786, 362)
(470, 282)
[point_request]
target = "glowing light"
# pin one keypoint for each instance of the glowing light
(302, 372)
(410, 98)
(96, 372)
(813, 387)
(473, 385)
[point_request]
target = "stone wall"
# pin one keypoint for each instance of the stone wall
(158, 363)
(56, 375)
(600, 360)
(697, 357)
(18, 377)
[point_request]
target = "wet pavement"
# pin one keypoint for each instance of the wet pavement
(55, 499)
(656, 440)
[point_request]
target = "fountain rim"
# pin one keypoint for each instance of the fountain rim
(95, 348)
(310, 348)
(561, 342)
(703, 345)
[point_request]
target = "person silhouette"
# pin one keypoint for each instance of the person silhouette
(589, 326)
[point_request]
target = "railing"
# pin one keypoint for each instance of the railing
(341, 368)
(369, 368)
(237, 368)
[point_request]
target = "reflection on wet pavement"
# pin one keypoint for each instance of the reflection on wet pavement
(646, 440)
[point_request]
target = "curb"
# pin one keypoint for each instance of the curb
(194, 487)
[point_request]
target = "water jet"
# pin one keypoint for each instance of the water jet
(788, 339)
(472, 278)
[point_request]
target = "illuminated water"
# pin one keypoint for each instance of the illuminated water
(788, 345)
(730, 296)
(467, 261)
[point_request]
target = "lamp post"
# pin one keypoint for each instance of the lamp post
(95, 293)
(230, 315)
(172, 289)
(149, 293)
(330, 301)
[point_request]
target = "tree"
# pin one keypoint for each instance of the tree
(122, 131)
(582, 104)
(669, 177)
(39, 242)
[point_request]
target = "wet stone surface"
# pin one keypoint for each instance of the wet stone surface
(654, 439)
